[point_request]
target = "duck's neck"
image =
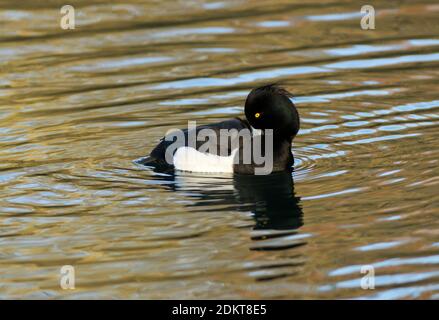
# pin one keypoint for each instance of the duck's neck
(280, 140)
(282, 144)
(282, 155)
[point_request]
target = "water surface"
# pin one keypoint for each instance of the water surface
(77, 106)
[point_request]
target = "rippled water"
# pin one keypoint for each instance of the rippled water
(77, 106)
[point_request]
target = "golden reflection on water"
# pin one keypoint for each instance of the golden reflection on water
(77, 106)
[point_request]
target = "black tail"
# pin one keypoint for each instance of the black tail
(159, 165)
(146, 161)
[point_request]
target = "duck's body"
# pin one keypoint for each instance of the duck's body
(267, 107)
(187, 158)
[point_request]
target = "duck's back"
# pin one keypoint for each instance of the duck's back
(179, 153)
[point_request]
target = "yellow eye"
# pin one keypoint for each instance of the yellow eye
(257, 115)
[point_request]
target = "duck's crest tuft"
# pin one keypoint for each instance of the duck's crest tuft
(274, 88)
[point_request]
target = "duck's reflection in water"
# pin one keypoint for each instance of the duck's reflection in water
(273, 205)
(270, 198)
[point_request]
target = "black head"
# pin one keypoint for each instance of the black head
(270, 107)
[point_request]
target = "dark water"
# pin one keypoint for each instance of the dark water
(77, 106)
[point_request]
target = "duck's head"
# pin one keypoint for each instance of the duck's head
(270, 107)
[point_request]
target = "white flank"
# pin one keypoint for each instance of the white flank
(189, 159)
